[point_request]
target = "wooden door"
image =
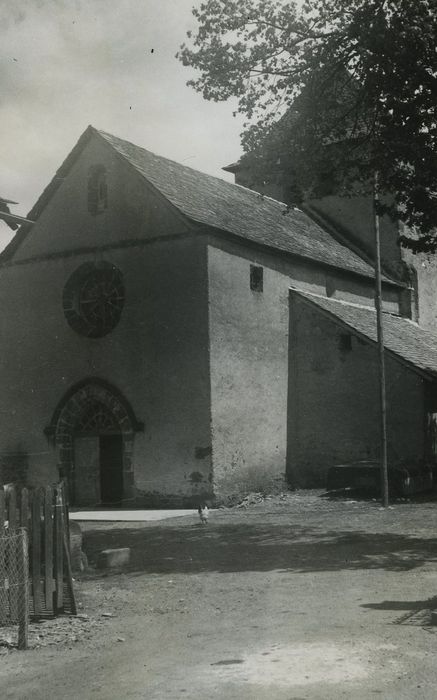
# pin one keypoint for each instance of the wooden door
(86, 470)
(111, 468)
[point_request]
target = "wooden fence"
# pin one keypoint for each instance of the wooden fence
(43, 512)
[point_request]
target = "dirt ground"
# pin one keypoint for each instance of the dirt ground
(295, 597)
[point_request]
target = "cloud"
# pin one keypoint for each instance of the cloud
(68, 63)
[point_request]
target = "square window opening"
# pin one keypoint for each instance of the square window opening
(345, 342)
(256, 278)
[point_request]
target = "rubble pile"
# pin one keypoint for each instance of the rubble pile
(251, 499)
(257, 498)
(60, 630)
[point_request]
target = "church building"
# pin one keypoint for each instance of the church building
(168, 336)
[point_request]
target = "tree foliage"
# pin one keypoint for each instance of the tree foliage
(338, 89)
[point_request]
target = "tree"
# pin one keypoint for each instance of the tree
(344, 87)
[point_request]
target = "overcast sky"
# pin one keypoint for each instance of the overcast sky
(111, 63)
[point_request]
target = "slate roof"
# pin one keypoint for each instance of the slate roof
(214, 202)
(402, 337)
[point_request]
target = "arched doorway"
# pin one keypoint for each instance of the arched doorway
(93, 428)
(98, 456)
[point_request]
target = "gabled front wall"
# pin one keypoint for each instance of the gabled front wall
(156, 357)
(333, 400)
(135, 210)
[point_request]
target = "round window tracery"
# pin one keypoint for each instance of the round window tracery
(94, 298)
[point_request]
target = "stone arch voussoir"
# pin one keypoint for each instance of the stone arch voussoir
(67, 416)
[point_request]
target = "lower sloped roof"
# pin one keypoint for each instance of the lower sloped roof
(402, 337)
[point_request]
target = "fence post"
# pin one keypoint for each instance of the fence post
(4, 607)
(36, 552)
(68, 571)
(24, 508)
(59, 546)
(23, 599)
(2, 510)
(12, 507)
(48, 548)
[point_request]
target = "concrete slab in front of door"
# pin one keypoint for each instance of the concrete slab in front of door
(127, 515)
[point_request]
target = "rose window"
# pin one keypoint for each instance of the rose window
(94, 299)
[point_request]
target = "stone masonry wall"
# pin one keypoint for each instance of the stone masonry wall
(333, 400)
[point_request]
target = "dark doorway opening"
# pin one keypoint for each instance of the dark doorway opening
(111, 469)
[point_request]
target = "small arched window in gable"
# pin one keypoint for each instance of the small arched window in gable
(97, 189)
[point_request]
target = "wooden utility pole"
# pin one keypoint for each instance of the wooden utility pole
(380, 340)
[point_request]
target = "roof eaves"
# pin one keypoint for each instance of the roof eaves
(247, 242)
(232, 167)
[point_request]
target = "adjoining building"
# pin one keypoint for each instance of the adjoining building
(169, 336)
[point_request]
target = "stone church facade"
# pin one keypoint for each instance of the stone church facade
(168, 337)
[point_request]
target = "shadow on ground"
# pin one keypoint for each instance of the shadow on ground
(252, 547)
(415, 612)
(366, 495)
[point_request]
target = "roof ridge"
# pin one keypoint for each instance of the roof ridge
(363, 307)
(336, 301)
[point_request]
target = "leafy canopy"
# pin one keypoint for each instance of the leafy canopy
(334, 87)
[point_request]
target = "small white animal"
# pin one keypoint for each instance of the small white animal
(203, 514)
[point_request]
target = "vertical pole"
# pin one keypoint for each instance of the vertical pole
(36, 552)
(380, 338)
(48, 548)
(23, 598)
(59, 550)
(4, 607)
